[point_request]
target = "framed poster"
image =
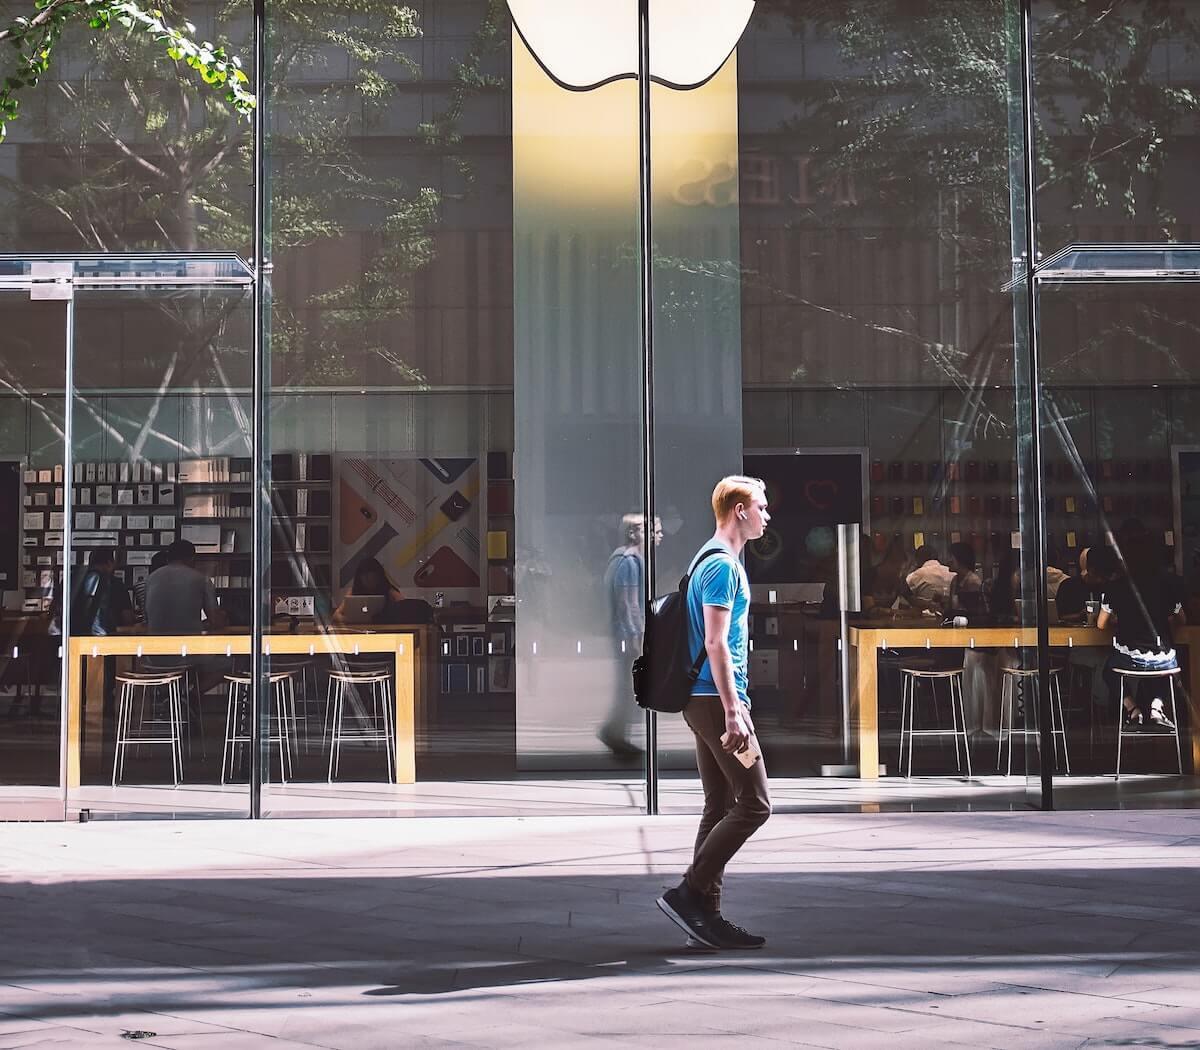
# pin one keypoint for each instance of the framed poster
(810, 493)
(419, 517)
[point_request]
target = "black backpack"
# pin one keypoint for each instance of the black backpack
(664, 674)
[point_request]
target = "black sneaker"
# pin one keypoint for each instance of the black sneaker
(685, 907)
(730, 935)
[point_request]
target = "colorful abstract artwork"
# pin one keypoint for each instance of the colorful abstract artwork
(420, 518)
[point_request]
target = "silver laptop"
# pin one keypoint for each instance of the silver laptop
(363, 608)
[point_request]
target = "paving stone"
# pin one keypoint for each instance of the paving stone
(924, 930)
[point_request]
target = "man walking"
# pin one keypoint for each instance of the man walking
(736, 798)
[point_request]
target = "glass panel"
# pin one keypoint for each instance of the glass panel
(1119, 372)
(830, 316)
(455, 436)
(161, 541)
(1115, 106)
(119, 150)
(32, 454)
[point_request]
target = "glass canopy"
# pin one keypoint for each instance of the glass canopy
(126, 270)
(1122, 262)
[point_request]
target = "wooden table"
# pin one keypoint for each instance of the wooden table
(867, 639)
(86, 673)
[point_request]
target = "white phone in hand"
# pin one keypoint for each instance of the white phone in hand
(749, 754)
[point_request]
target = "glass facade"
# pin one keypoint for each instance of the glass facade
(443, 427)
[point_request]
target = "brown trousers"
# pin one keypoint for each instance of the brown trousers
(737, 801)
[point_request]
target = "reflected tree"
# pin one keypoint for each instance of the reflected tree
(134, 155)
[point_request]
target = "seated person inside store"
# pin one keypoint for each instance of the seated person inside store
(179, 598)
(100, 602)
(139, 589)
(371, 581)
(884, 582)
(99, 606)
(929, 583)
(966, 588)
(1098, 567)
(1141, 609)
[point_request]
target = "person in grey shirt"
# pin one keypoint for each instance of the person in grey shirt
(178, 593)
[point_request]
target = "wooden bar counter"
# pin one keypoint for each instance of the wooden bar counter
(866, 640)
(404, 645)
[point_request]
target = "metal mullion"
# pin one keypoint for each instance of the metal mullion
(65, 668)
(260, 451)
(645, 256)
(1046, 771)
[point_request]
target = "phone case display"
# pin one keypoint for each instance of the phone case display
(1086, 499)
(971, 499)
(476, 659)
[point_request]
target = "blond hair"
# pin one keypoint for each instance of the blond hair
(732, 490)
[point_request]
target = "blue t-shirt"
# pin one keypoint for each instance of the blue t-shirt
(720, 581)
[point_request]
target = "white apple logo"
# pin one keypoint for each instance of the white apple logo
(582, 44)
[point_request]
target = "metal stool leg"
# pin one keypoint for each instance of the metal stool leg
(954, 726)
(912, 706)
(1056, 697)
(962, 711)
(1000, 729)
(281, 715)
(1012, 719)
(336, 687)
(1120, 721)
(390, 729)
(1175, 722)
(119, 751)
(330, 687)
(904, 681)
(175, 718)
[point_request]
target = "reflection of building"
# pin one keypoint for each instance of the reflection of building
(829, 274)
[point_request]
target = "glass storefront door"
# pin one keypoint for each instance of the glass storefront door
(1119, 377)
(161, 476)
(153, 352)
(33, 341)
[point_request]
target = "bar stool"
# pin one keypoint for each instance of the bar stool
(910, 678)
(300, 667)
(190, 688)
(1012, 678)
(1169, 674)
(237, 721)
(140, 689)
(373, 725)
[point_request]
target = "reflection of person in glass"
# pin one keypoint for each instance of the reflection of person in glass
(624, 592)
(737, 800)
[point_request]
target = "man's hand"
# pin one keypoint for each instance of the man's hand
(737, 731)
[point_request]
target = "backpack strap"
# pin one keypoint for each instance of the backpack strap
(701, 656)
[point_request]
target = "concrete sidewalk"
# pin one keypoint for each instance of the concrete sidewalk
(910, 930)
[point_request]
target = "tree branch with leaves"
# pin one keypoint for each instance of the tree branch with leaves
(32, 41)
